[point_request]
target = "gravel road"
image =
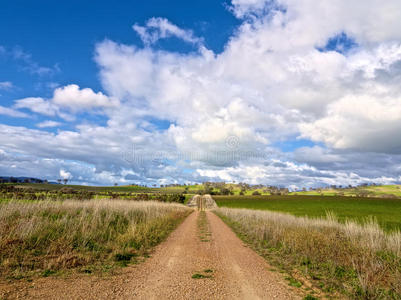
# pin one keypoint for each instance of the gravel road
(228, 270)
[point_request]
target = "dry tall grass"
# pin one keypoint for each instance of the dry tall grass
(361, 261)
(49, 236)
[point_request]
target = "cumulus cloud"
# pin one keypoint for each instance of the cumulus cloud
(161, 28)
(359, 122)
(74, 98)
(70, 98)
(276, 80)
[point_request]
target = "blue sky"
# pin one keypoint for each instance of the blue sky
(305, 95)
(64, 34)
(61, 37)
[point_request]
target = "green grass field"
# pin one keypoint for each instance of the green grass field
(374, 191)
(386, 211)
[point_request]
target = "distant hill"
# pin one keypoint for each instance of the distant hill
(11, 179)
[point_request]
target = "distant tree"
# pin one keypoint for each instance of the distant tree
(59, 181)
(256, 193)
(115, 184)
(65, 180)
(208, 189)
(225, 191)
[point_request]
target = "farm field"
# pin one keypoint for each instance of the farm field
(387, 212)
(373, 190)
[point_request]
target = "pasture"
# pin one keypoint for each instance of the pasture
(387, 212)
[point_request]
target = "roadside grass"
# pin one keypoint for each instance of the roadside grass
(45, 238)
(357, 261)
(387, 212)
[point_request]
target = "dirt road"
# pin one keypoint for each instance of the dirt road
(208, 250)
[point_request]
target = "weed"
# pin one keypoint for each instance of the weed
(200, 276)
(293, 282)
(47, 273)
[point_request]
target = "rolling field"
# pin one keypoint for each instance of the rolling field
(387, 212)
(373, 190)
(56, 187)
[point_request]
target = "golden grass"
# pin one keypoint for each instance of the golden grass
(44, 237)
(361, 261)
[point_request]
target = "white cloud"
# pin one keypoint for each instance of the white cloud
(65, 174)
(49, 123)
(361, 122)
(6, 85)
(70, 98)
(74, 98)
(270, 84)
(37, 105)
(12, 112)
(161, 28)
(29, 65)
(310, 22)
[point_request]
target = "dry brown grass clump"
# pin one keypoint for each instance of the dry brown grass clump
(45, 237)
(361, 261)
